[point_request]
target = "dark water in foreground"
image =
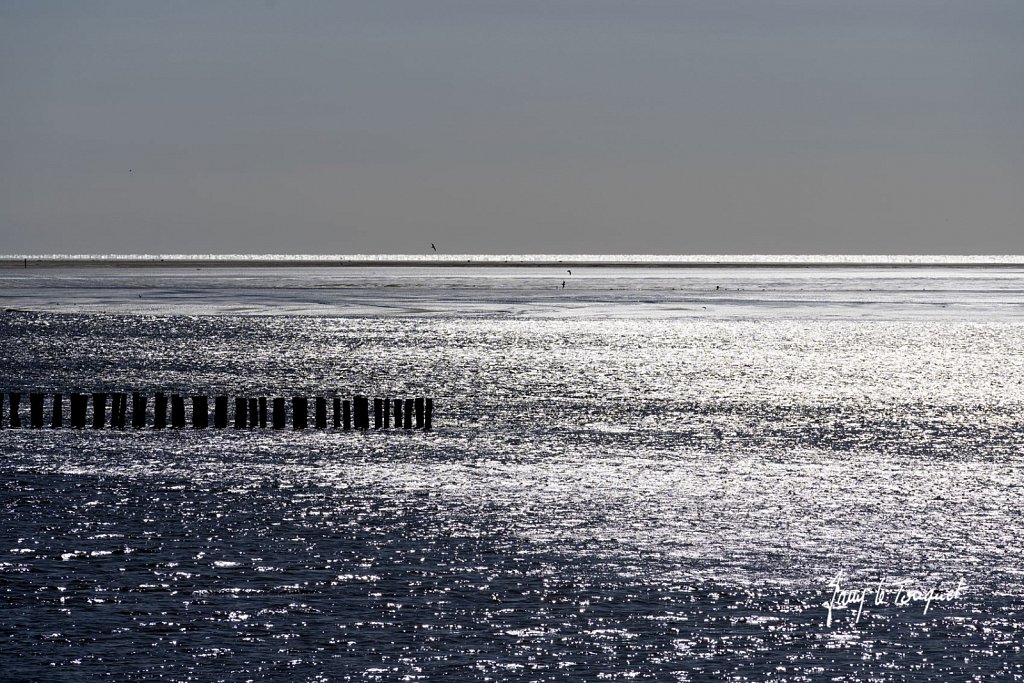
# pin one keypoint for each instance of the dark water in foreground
(641, 498)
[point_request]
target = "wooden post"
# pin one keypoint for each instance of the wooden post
(57, 419)
(300, 412)
(254, 414)
(79, 403)
(378, 413)
(200, 412)
(135, 410)
(387, 413)
(220, 412)
(321, 412)
(159, 411)
(347, 414)
(337, 412)
(280, 419)
(99, 410)
(263, 412)
(178, 411)
(35, 402)
(122, 413)
(138, 410)
(398, 413)
(241, 408)
(114, 404)
(428, 418)
(361, 404)
(419, 412)
(15, 416)
(113, 396)
(77, 411)
(407, 424)
(118, 408)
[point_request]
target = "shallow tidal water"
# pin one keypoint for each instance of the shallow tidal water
(641, 478)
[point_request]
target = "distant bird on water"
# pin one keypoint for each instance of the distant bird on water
(569, 271)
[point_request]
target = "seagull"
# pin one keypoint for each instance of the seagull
(432, 246)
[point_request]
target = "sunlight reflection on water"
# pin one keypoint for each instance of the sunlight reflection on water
(638, 498)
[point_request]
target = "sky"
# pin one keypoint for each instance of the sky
(555, 126)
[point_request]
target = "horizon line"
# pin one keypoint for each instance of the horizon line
(12, 261)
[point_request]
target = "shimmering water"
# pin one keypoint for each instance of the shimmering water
(637, 477)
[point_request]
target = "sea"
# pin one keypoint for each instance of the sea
(757, 468)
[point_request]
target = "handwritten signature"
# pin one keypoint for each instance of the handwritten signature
(899, 592)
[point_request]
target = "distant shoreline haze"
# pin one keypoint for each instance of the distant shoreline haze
(512, 260)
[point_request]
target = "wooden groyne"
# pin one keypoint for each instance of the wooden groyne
(109, 410)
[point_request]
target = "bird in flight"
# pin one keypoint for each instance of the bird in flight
(432, 246)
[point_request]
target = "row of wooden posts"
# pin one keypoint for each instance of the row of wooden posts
(249, 412)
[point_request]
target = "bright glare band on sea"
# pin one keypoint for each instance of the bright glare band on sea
(647, 468)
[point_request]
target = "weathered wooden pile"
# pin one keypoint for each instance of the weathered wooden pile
(249, 412)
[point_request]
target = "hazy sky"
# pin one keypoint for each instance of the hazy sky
(711, 126)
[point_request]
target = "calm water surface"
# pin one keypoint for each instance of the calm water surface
(621, 484)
